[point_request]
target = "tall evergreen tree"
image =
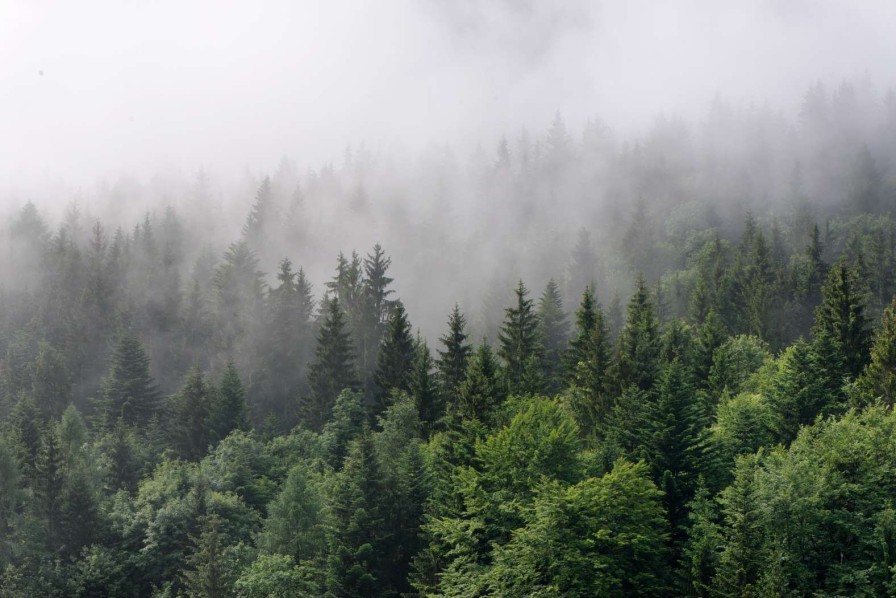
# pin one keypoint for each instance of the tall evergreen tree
(588, 360)
(480, 394)
(519, 341)
(227, 410)
(878, 381)
(425, 391)
(396, 358)
(190, 414)
(638, 347)
(553, 331)
(333, 369)
(260, 216)
(840, 319)
(452, 362)
(128, 392)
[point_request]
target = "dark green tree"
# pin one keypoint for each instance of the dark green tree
(553, 330)
(128, 392)
(840, 320)
(878, 381)
(588, 360)
(481, 392)
(396, 358)
(519, 341)
(333, 369)
(638, 347)
(227, 410)
(424, 388)
(452, 362)
(190, 411)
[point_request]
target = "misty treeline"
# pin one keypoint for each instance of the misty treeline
(692, 397)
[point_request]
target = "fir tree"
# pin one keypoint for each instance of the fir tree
(128, 392)
(260, 215)
(396, 358)
(227, 411)
(638, 348)
(480, 393)
(553, 336)
(588, 358)
(452, 362)
(841, 319)
(424, 389)
(878, 381)
(519, 339)
(333, 368)
(190, 414)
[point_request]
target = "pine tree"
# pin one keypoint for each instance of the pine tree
(227, 410)
(878, 381)
(638, 348)
(51, 384)
(396, 358)
(206, 575)
(354, 555)
(260, 216)
(480, 393)
(128, 392)
(295, 523)
(190, 413)
(424, 389)
(452, 362)
(123, 467)
(49, 487)
(333, 368)
(553, 336)
(588, 358)
(841, 319)
(519, 339)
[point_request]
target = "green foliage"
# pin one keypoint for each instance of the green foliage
(452, 362)
(638, 346)
(553, 331)
(333, 368)
(395, 362)
(227, 410)
(128, 392)
(519, 342)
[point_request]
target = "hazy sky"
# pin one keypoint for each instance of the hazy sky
(90, 89)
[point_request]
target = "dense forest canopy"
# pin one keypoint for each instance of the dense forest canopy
(486, 329)
(659, 367)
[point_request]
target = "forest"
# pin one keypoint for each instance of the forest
(661, 366)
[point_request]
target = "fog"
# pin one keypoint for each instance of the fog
(98, 89)
(384, 121)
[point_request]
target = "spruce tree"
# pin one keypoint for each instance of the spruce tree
(480, 393)
(227, 411)
(840, 319)
(357, 529)
(128, 392)
(878, 381)
(553, 331)
(452, 362)
(588, 359)
(396, 358)
(260, 215)
(519, 339)
(638, 347)
(190, 413)
(333, 369)
(425, 391)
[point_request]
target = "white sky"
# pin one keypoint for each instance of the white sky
(137, 86)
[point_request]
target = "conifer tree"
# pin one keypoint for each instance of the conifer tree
(638, 347)
(227, 410)
(588, 359)
(840, 318)
(354, 554)
(519, 339)
(333, 368)
(123, 467)
(425, 391)
(51, 384)
(480, 393)
(206, 575)
(452, 362)
(190, 414)
(49, 486)
(553, 336)
(260, 215)
(396, 357)
(878, 381)
(295, 523)
(128, 392)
